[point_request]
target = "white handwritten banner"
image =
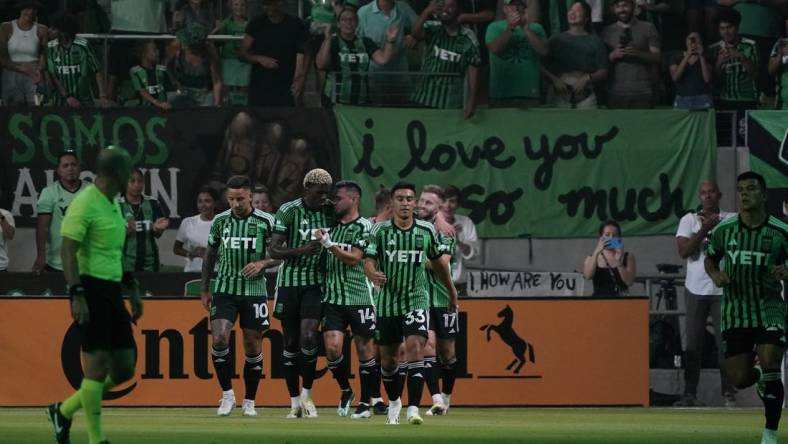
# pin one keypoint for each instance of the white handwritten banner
(513, 284)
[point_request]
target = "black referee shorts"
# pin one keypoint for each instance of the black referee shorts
(109, 322)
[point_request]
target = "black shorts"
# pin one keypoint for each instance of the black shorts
(252, 311)
(292, 304)
(109, 322)
(737, 341)
(443, 323)
(391, 329)
(360, 318)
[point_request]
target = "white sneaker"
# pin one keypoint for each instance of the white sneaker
(344, 403)
(769, 437)
(437, 409)
(308, 407)
(227, 404)
(247, 408)
(363, 411)
(295, 413)
(413, 416)
(392, 417)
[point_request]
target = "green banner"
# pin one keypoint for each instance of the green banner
(767, 140)
(545, 173)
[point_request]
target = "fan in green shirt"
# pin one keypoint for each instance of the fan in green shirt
(451, 52)
(150, 80)
(146, 223)
(753, 250)
(72, 66)
(515, 48)
(51, 209)
(778, 67)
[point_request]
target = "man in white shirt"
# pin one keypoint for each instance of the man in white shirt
(702, 296)
(467, 239)
(7, 230)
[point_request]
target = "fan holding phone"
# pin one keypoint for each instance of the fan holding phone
(611, 269)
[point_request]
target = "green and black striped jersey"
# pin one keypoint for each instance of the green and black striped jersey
(753, 297)
(298, 224)
(75, 67)
(402, 255)
(439, 294)
(155, 81)
(240, 242)
(347, 284)
(347, 79)
(446, 58)
(735, 83)
(140, 253)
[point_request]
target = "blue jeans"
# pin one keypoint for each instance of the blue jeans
(693, 102)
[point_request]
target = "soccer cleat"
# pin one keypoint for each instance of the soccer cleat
(437, 409)
(60, 423)
(380, 408)
(226, 405)
(362, 412)
(247, 408)
(295, 413)
(413, 416)
(392, 416)
(344, 403)
(308, 408)
(769, 436)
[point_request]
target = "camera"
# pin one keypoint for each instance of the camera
(669, 268)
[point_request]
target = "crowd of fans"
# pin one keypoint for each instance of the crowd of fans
(147, 222)
(726, 54)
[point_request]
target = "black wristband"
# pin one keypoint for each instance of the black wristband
(76, 290)
(128, 279)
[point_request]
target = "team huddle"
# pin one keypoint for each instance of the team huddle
(389, 282)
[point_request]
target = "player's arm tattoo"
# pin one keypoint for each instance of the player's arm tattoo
(208, 264)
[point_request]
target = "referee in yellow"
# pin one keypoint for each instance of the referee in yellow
(93, 234)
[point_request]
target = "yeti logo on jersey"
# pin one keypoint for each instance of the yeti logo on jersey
(743, 257)
(449, 56)
(346, 247)
(242, 243)
(407, 256)
(308, 234)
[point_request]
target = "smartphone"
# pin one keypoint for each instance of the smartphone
(615, 243)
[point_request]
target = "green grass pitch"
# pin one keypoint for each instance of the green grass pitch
(462, 425)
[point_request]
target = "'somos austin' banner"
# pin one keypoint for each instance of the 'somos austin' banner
(179, 151)
(767, 139)
(547, 173)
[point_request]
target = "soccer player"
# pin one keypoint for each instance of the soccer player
(347, 300)
(238, 238)
(443, 320)
(755, 249)
(395, 260)
(146, 223)
(93, 235)
(51, 209)
(299, 296)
